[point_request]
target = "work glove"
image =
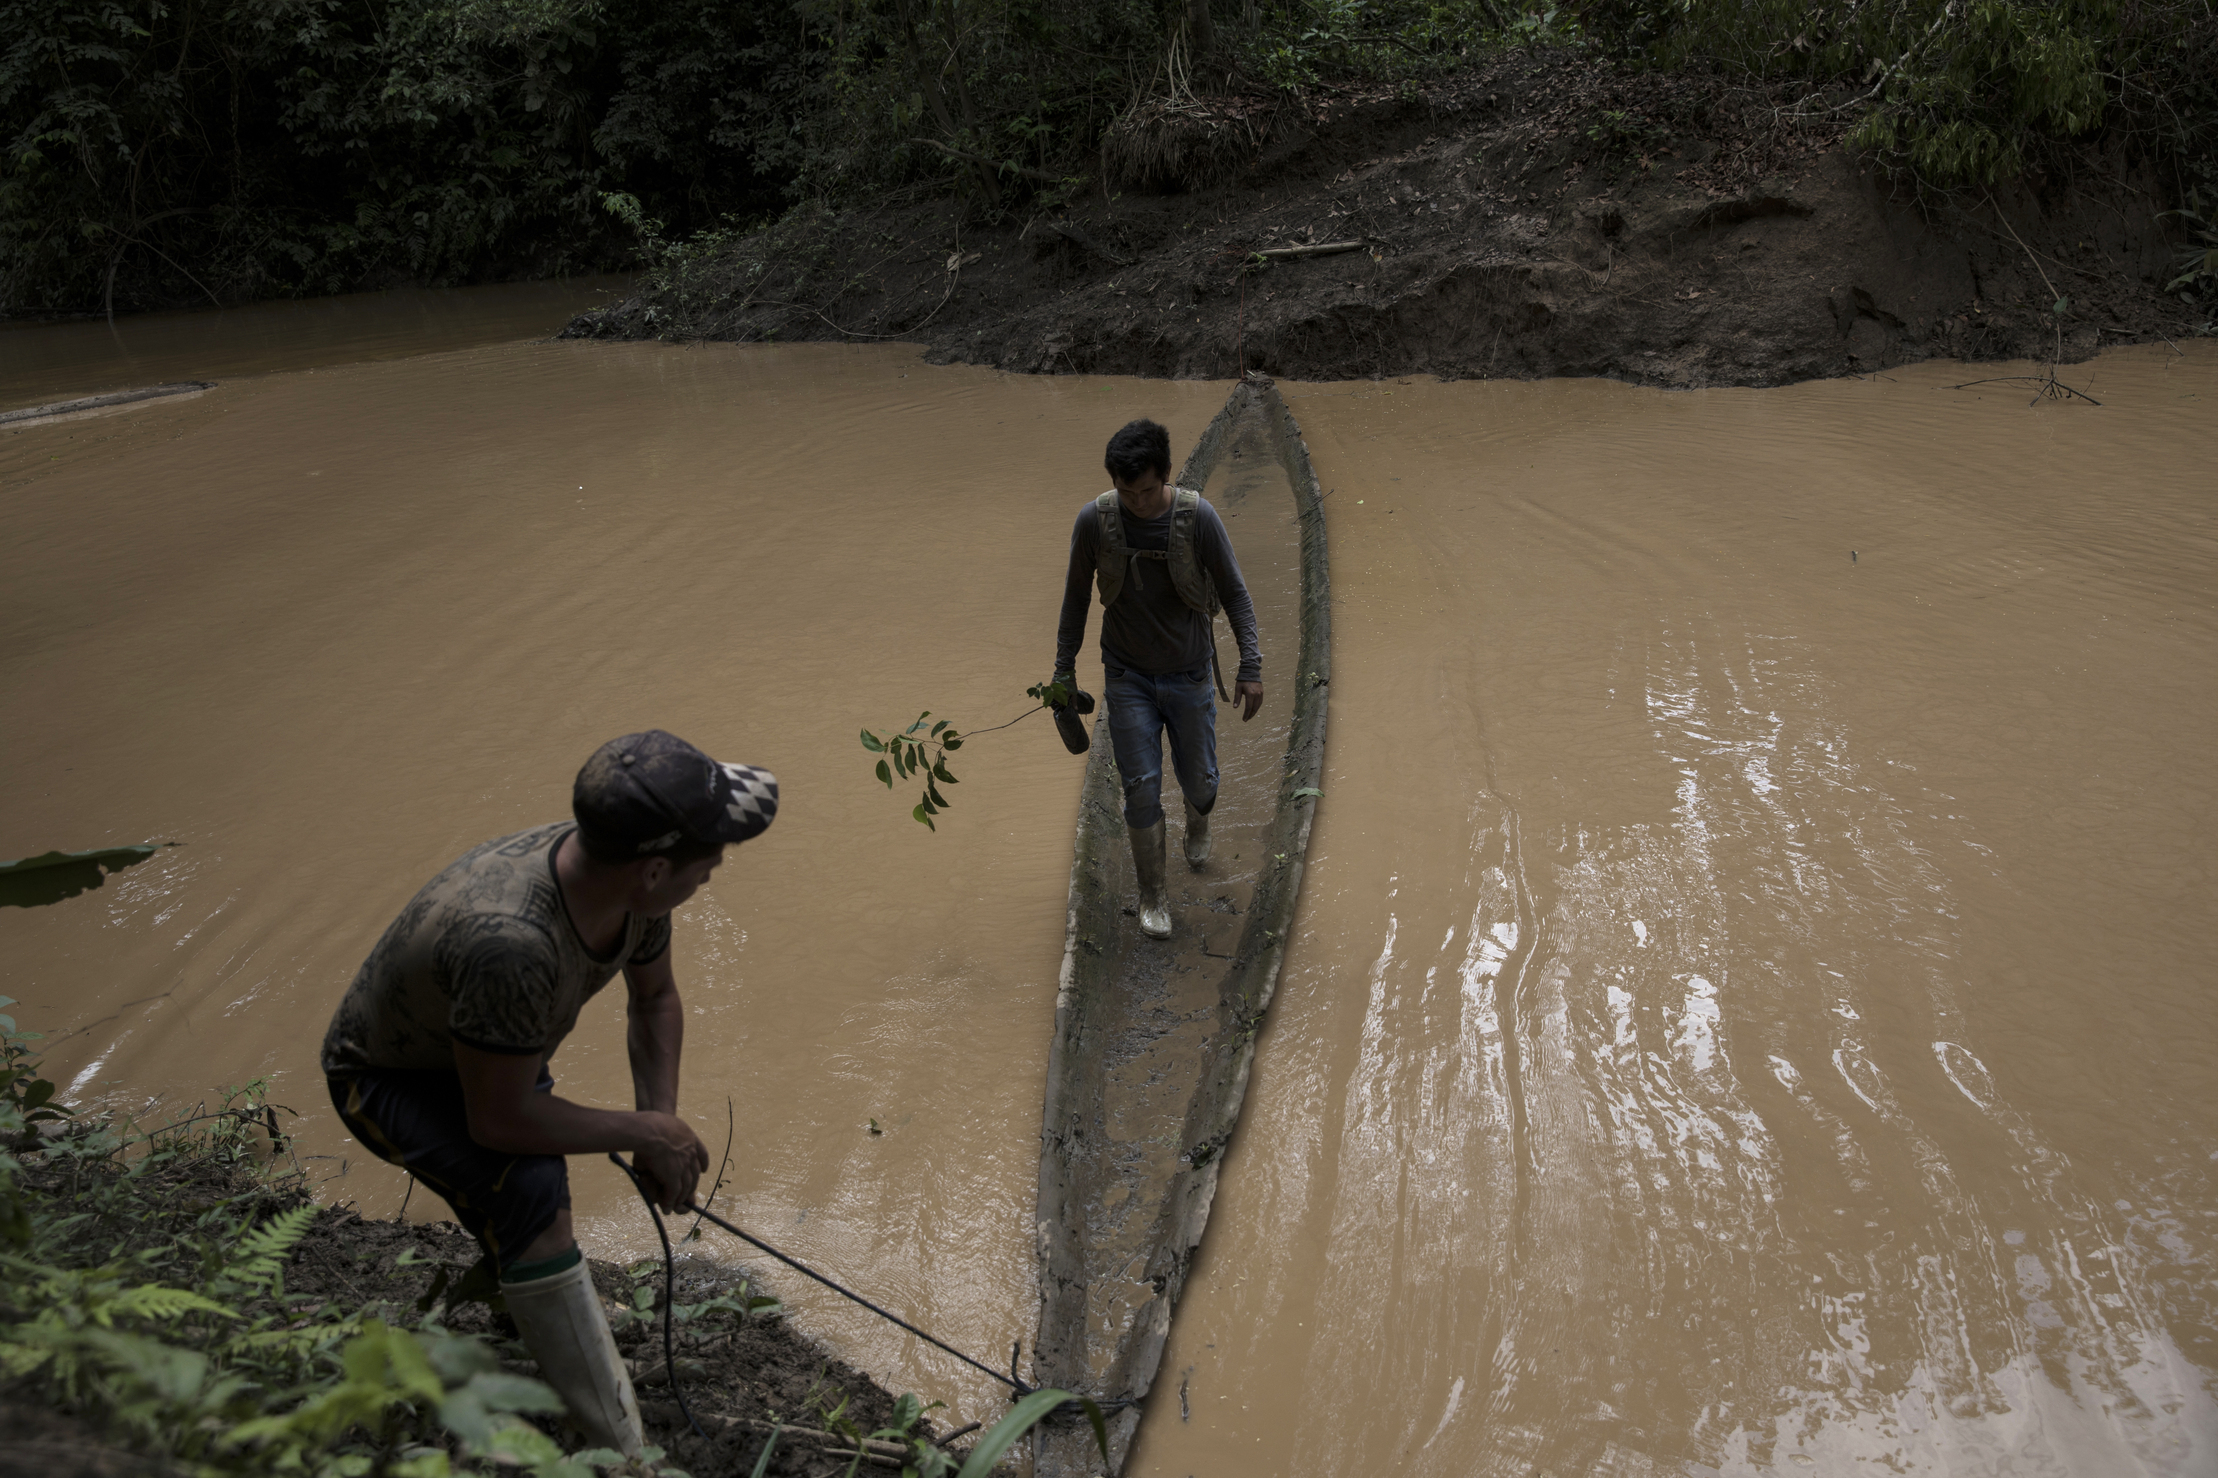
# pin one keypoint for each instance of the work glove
(1067, 713)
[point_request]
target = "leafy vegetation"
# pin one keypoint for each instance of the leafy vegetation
(1967, 91)
(161, 151)
(917, 751)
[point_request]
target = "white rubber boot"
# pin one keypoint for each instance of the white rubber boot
(566, 1330)
(1148, 866)
(1197, 838)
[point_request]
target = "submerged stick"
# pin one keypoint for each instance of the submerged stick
(2048, 383)
(103, 402)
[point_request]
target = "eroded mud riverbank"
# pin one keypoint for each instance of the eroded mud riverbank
(1545, 216)
(1745, 1005)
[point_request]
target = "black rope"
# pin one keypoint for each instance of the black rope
(669, 1299)
(1012, 1380)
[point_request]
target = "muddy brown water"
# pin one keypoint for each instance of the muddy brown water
(1749, 1008)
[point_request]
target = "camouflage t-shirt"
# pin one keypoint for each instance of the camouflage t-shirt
(485, 955)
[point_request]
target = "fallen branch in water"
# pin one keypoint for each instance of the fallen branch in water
(2051, 386)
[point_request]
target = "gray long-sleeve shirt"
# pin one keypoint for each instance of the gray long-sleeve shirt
(1150, 630)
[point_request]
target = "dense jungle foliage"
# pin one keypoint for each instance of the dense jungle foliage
(163, 151)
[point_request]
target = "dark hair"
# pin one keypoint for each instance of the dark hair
(1142, 446)
(610, 852)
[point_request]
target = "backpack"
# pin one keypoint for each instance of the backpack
(1194, 587)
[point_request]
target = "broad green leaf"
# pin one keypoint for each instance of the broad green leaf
(885, 775)
(937, 727)
(1022, 1418)
(918, 813)
(523, 1445)
(19, 1360)
(501, 1391)
(940, 771)
(873, 743)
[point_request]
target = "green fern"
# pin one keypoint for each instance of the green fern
(153, 1301)
(257, 1262)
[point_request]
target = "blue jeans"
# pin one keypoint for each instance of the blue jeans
(1141, 710)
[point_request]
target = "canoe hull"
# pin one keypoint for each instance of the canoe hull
(1152, 1048)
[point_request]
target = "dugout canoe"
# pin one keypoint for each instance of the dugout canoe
(1154, 1038)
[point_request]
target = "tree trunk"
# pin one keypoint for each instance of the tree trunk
(1201, 35)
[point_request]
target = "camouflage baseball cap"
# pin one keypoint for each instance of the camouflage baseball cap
(648, 792)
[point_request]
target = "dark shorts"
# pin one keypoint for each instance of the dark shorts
(416, 1120)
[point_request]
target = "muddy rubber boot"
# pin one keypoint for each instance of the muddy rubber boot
(1197, 838)
(1155, 895)
(565, 1328)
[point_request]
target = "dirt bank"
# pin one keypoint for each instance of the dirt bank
(738, 1375)
(1543, 215)
(741, 1370)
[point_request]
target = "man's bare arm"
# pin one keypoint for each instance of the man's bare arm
(655, 1034)
(508, 1115)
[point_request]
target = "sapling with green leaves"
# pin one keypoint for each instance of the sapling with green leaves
(922, 748)
(916, 751)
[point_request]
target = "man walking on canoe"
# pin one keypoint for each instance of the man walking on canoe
(1164, 566)
(437, 1056)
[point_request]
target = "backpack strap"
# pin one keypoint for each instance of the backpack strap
(1191, 580)
(1111, 556)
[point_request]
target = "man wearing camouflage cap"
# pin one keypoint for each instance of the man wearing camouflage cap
(437, 1057)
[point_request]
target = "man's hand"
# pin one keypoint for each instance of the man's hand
(1247, 697)
(670, 1160)
(509, 1114)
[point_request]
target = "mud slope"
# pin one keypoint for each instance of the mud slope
(1543, 216)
